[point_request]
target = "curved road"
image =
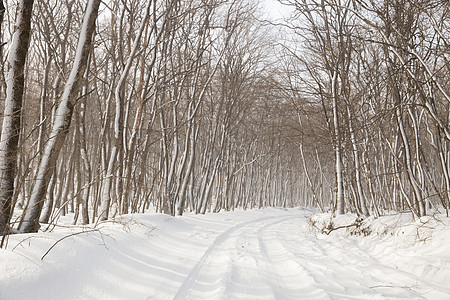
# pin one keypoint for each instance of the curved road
(275, 257)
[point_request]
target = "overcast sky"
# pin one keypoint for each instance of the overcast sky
(275, 10)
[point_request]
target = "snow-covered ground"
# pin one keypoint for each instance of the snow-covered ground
(258, 254)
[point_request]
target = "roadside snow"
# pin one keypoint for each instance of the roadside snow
(258, 254)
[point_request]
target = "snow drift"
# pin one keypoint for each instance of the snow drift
(258, 254)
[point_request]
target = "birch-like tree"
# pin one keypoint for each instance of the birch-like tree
(61, 124)
(11, 126)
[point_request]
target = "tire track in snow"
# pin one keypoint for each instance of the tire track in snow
(341, 271)
(293, 280)
(221, 269)
(274, 257)
(311, 268)
(316, 274)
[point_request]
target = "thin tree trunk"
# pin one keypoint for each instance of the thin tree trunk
(118, 125)
(408, 162)
(2, 77)
(361, 197)
(340, 203)
(9, 139)
(310, 184)
(442, 156)
(48, 208)
(84, 156)
(62, 121)
(193, 133)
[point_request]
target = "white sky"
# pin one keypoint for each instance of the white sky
(275, 10)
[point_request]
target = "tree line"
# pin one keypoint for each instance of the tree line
(127, 105)
(113, 107)
(378, 74)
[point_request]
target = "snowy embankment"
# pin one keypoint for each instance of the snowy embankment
(257, 254)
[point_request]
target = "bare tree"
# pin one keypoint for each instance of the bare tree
(118, 121)
(61, 124)
(11, 127)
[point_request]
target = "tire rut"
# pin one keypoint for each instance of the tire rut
(344, 281)
(218, 270)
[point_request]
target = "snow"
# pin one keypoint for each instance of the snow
(258, 254)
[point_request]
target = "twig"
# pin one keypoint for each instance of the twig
(393, 286)
(67, 236)
(22, 241)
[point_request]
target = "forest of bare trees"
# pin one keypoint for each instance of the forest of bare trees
(114, 107)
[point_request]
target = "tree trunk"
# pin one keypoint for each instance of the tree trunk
(118, 122)
(360, 194)
(340, 203)
(62, 121)
(48, 208)
(9, 139)
(2, 81)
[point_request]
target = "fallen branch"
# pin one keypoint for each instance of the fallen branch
(63, 238)
(336, 228)
(331, 228)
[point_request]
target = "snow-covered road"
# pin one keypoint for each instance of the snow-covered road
(275, 257)
(258, 254)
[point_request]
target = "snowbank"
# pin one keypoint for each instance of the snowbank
(420, 247)
(257, 254)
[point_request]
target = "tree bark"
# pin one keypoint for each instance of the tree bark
(9, 139)
(118, 122)
(2, 81)
(340, 202)
(62, 121)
